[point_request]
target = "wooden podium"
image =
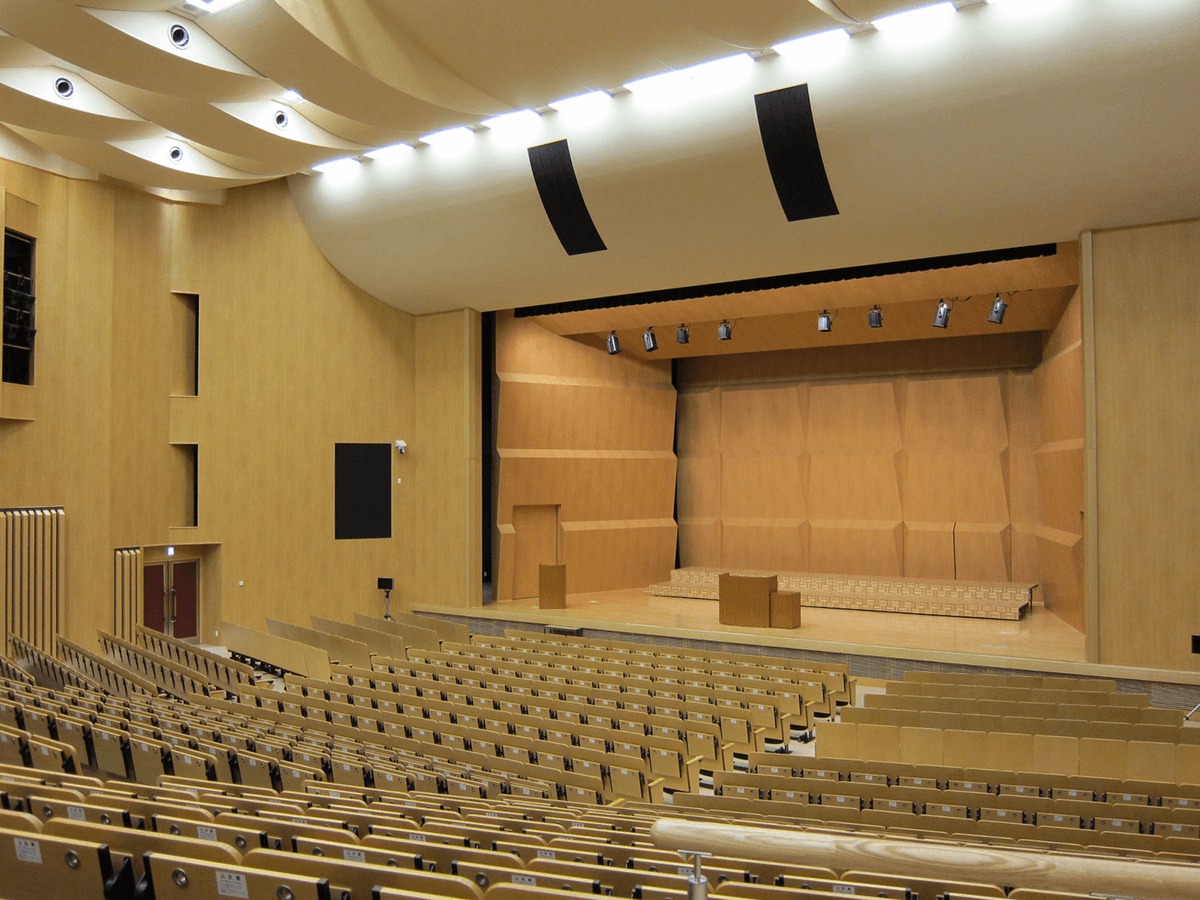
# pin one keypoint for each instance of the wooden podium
(552, 587)
(746, 599)
(785, 609)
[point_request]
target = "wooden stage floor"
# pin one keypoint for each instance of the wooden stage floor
(1036, 640)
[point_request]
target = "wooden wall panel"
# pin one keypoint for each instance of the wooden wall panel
(443, 462)
(857, 547)
(763, 420)
(700, 541)
(939, 474)
(763, 487)
(851, 485)
(857, 416)
(1060, 477)
(774, 544)
(592, 434)
(1147, 434)
(1060, 560)
(982, 551)
(929, 550)
(292, 360)
(536, 544)
(1060, 390)
(608, 556)
(611, 416)
(699, 487)
(955, 486)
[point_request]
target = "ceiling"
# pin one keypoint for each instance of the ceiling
(369, 73)
(1012, 123)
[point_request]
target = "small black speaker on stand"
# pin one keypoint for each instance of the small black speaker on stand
(387, 585)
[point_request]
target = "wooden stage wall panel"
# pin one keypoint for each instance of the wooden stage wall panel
(593, 435)
(1147, 432)
(944, 475)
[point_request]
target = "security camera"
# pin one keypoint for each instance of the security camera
(401, 446)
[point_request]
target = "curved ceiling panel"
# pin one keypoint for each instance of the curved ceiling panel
(60, 100)
(91, 44)
(137, 163)
(1001, 134)
(530, 52)
(268, 38)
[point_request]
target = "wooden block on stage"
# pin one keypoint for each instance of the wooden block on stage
(746, 599)
(552, 587)
(785, 609)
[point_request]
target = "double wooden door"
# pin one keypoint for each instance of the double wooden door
(171, 597)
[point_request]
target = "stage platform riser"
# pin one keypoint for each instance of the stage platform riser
(911, 596)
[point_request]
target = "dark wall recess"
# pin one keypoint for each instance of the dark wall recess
(362, 491)
(562, 199)
(789, 137)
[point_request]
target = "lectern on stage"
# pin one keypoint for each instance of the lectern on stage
(756, 601)
(746, 599)
(552, 587)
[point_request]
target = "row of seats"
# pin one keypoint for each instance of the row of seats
(324, 743)
(1025, 718)
(618, 653)
(189, 839)
(1058, 754)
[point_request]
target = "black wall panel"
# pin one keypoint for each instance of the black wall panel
(362, 491)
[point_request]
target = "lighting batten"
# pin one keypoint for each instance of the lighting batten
(591, 103)
(680, 83)
(449, 138)
(922, 24)
(342, 166)
(391, 151)
(819, 47)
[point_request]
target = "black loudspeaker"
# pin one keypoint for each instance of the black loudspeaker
(562, 199)
(386, 584)
(362, 491)
(789, 138)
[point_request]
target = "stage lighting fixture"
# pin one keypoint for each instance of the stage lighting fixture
(942, 317)
(725, 331)
(614, 344)
(682, 334)
(875, 317)
(824, 322)
(650, 340)
(999, 308)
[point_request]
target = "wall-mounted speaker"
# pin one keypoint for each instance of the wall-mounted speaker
(789, 137)
(554, 175)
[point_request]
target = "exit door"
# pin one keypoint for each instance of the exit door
(170, 597)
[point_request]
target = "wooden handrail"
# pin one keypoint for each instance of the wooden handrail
(1008, 867)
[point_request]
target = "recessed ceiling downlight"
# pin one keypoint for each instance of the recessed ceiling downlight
(176, 154)
(281, 119)
(63, 87)
(179, 35)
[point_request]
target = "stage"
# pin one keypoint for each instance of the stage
(874, 644)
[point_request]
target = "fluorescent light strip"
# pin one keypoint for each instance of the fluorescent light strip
(693, 79)
(212, 6)
(593, 100)
(921, 23)
(522, 118)
(391, 151)
(340, 166)
(815, 47)
(448, 137)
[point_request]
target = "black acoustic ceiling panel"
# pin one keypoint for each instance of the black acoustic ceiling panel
(562, 199)
(789, 138)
